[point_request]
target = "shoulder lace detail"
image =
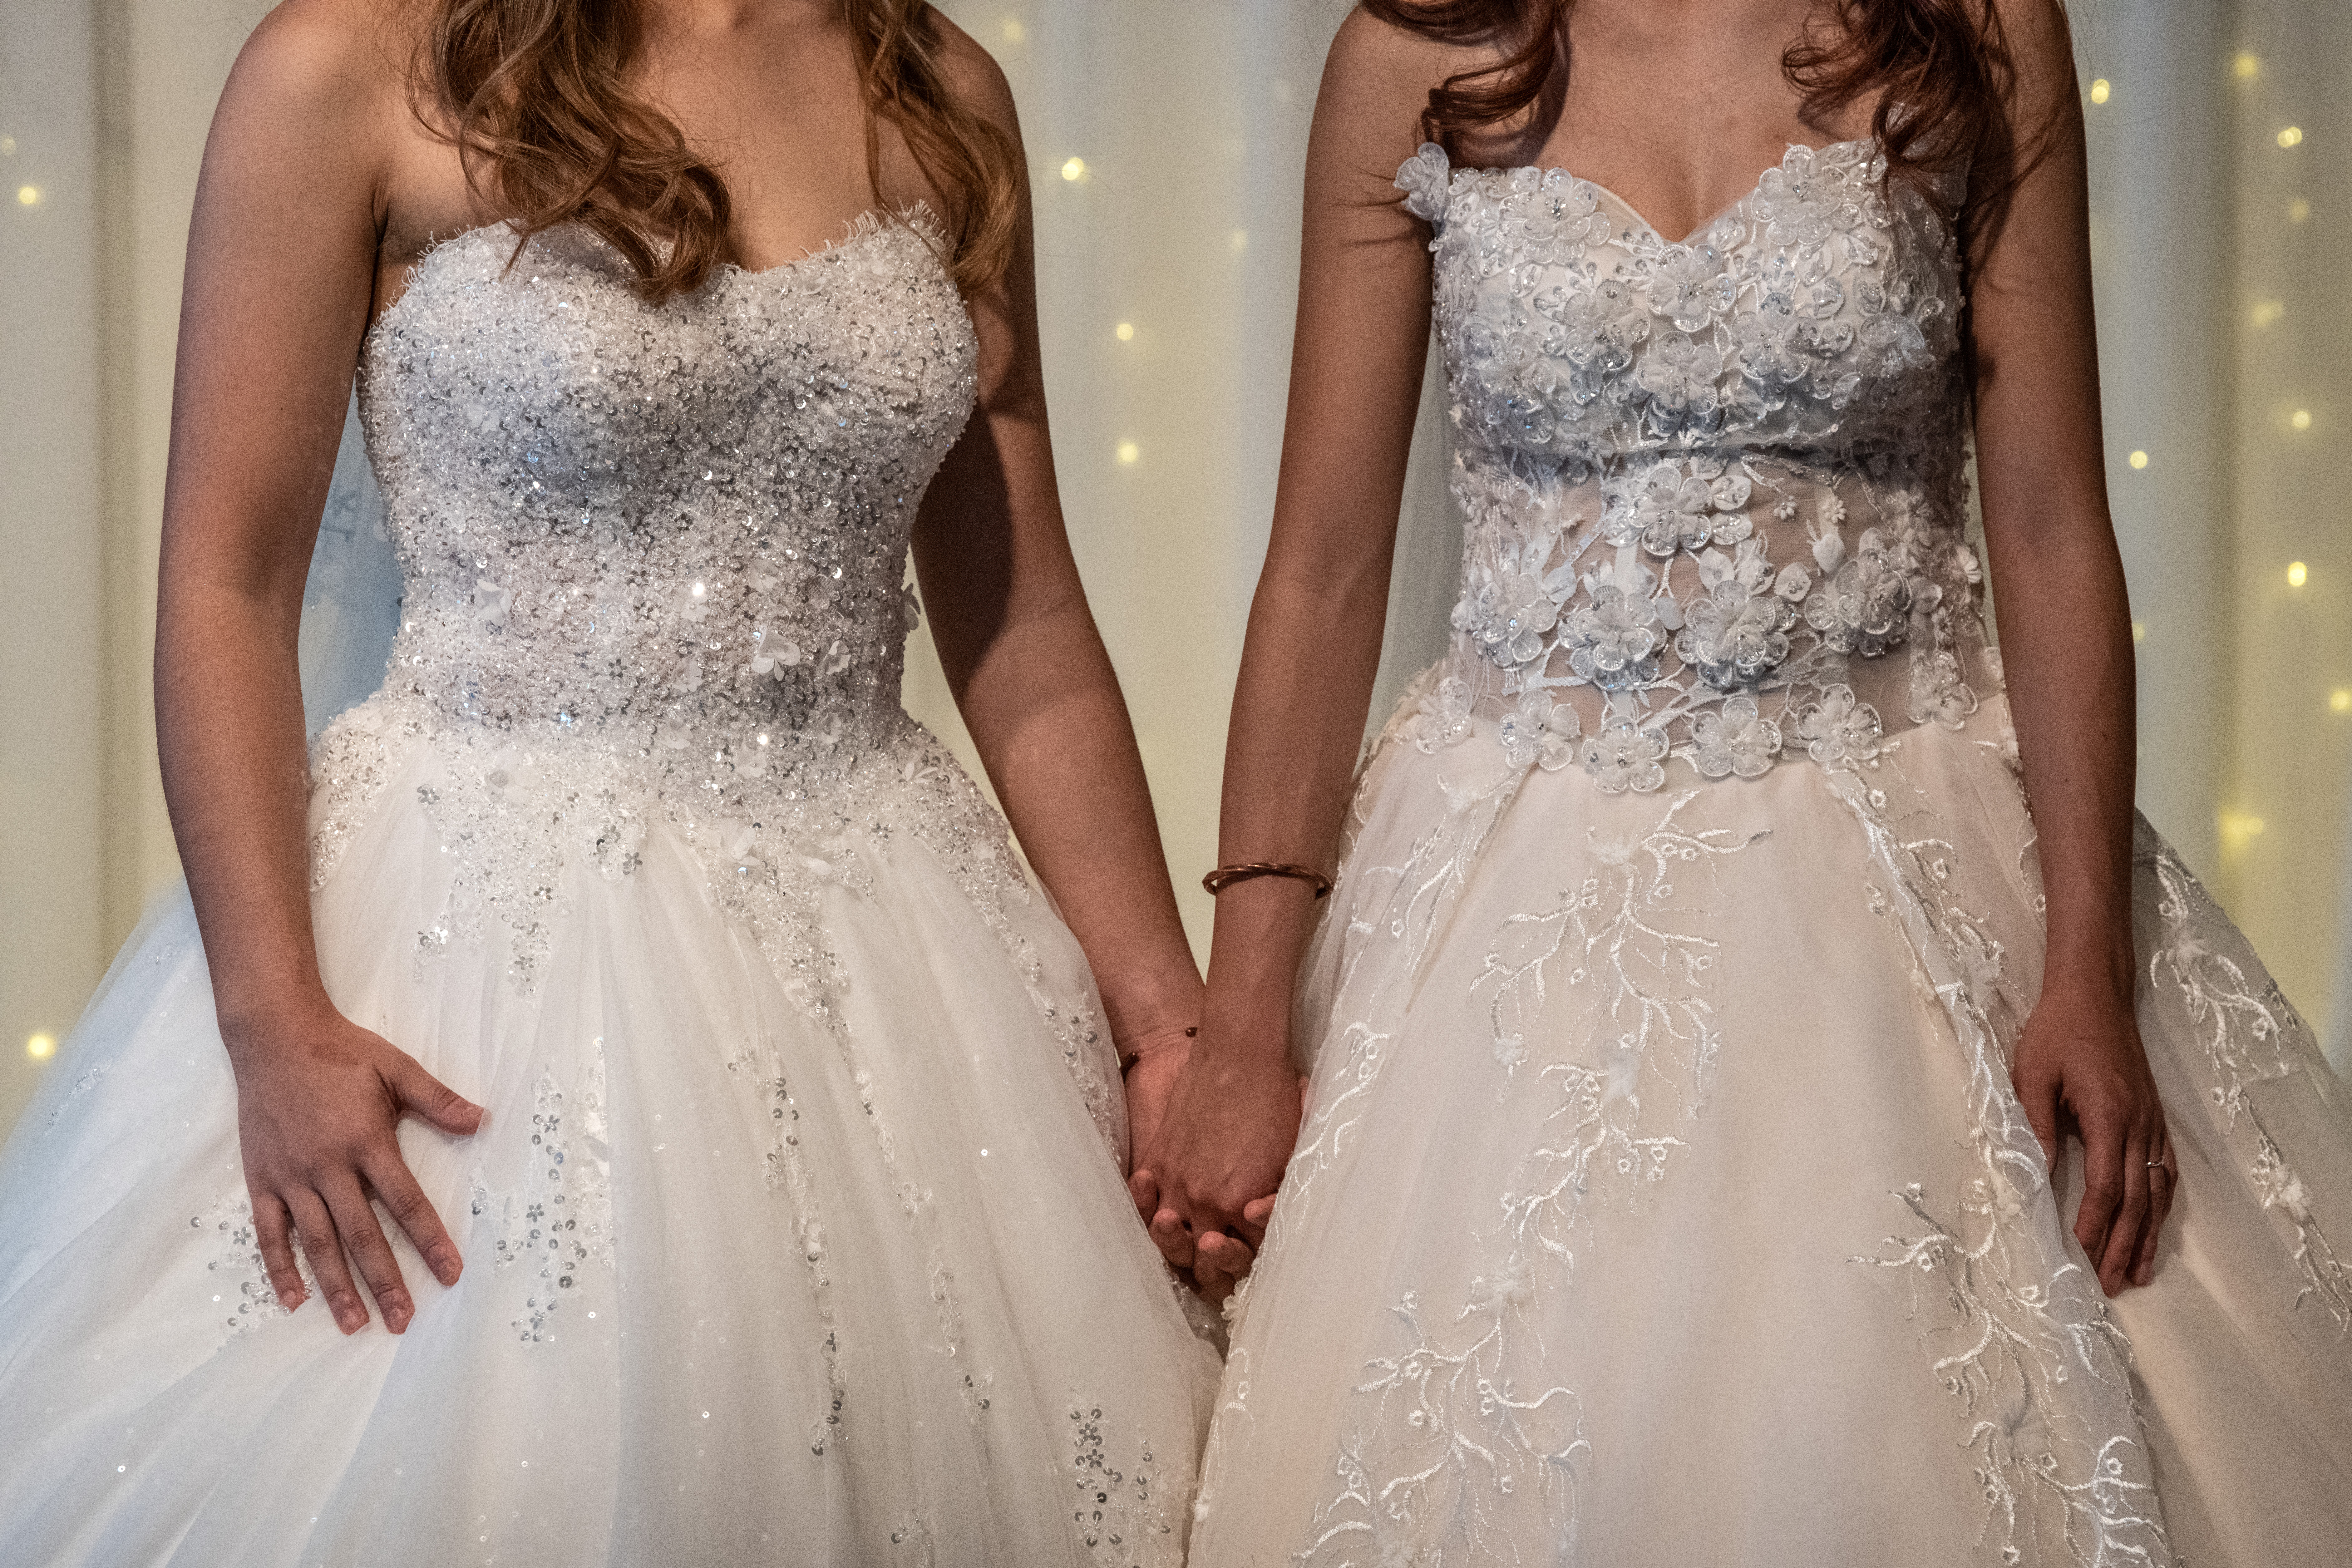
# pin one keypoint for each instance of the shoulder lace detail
(1426, 178)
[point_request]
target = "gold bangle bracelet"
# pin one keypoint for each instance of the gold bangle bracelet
(1224, 877)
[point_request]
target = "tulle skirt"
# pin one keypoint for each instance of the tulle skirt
(742, 1285)
(1662, 1199)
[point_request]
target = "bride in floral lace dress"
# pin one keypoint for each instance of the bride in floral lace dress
(639, 1018)
(1740, 1128)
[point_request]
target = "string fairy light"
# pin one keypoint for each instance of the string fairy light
(1073, 169)
(41, 1047)
(2291, 137)
(1125, 332)
(2340, 700)
(2300, 419)
(1129, 452)
(2139, 460)
(2297, 574)
(2100, 91)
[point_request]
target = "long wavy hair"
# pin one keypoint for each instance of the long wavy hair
(538, 98)
(1941, 72)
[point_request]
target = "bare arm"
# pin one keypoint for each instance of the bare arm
(1313, 639)
(1035, 684)
(2067, 643)
(281, 263)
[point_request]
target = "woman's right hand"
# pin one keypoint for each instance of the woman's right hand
(318, 1107)
(1230, 1126)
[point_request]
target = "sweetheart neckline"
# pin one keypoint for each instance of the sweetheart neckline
(1708, 221)
(864, 228)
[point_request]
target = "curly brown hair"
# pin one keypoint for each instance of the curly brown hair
(1941, 69)
(536, 95)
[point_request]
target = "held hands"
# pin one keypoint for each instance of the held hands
(1204, 1181)
(2081, 1067)
(317, 1107)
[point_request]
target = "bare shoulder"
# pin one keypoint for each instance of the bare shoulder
(328, 63)
(1377, 75)
(2041, 46)
(972, 75)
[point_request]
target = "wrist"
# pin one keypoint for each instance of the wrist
(256, 1028)
(2091, 964)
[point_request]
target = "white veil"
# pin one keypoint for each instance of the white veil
(1423, 583)
(351, 605)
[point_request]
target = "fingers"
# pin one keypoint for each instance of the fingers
(2103, 1193)
(2131, 1214)
(1168, 1234)
(1144, 1188)
(320, 1245)
(2163, 1183)
(2037, 1092)
(424, 1096)
(413, 1213)
(275, 1234)
(371, 1254)
(1252, 1224)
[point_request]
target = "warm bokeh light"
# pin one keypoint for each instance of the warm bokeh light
(1075, 168)
(1128, 451)
(1012, 33)
(2297, 574)
(2300, 419)
(2291, 137)
(7, 146)
(2139, 631)
(1126, 331)
(29, 196)
(2269, 311)
(2340, 700)
(2247, 65)
(2139, 460)
(2298, 209)
(1240, 241)
(2238, 828)
(2100, 91)
(41, 1047)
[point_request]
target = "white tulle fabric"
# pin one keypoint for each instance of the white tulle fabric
(1663, 1197)
(796, 1232)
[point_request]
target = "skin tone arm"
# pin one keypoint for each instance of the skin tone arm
(2065, 630)
(277, 297)
(1363, 314)
(1355, 382)
(1033, 680)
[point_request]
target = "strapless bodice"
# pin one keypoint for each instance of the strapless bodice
(653, 560)
(1712, 489)
(688, 520)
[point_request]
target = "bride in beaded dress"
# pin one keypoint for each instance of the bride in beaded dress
(1700, 1007)
(652, 1021)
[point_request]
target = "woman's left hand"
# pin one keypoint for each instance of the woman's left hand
(2080, 1066)
(1153, 1061)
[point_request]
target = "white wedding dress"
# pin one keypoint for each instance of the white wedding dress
(1663, 1198)
(795, 1234)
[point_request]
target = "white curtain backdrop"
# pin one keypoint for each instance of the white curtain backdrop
(1165, 139)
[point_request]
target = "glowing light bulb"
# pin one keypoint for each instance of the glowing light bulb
(1128, 451)
(2340, 700)
(2247, 65)
(2291, 137)
(2100, 91)
(2300, 419)
(1125, 332)
(2297, 574)
(1075, 168)
(2139, 460)
(29, 196)
(41, 1047)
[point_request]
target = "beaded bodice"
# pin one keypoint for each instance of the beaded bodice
(685, 522)
(1713, 489)
(653, 560)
